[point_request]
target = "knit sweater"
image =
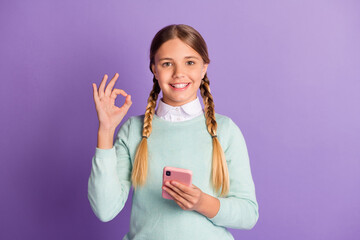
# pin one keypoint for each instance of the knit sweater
(186, 145)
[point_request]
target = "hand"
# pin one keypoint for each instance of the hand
(188, 198)
(110, 115)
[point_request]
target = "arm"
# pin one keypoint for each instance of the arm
(209, 205)
(110, 179)
(239, 209)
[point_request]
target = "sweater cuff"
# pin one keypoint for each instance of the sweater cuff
(222, 215)
(105, 153)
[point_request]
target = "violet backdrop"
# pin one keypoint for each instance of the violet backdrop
(287, 72)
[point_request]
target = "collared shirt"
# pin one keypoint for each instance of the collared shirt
(180, 113)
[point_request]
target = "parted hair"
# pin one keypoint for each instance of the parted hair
(219, 175)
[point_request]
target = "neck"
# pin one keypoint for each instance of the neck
(176, 104)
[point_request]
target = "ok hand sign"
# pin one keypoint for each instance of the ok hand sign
(110, 115)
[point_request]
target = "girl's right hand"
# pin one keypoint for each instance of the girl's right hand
(110, 115)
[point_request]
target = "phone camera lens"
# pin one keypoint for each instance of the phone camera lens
(168, 173)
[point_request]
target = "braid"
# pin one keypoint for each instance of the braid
(220, 174)
(139, 172)
(150, 108)
(209, 106)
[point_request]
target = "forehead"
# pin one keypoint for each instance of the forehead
(175, 48)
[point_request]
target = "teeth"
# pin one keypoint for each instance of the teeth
(179, 85)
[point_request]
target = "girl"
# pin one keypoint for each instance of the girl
(178, 134)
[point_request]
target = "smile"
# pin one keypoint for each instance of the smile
(180, 86)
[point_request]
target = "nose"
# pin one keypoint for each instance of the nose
(178, 72)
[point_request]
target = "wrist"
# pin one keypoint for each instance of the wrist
(208, 205)
(105, 138)
(106, 130)
(202, 203)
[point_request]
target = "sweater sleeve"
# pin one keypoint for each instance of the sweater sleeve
(239, 209)
(110, 178)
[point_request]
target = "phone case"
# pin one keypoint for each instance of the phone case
(181, 175)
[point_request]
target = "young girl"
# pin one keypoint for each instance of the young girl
(178, 134)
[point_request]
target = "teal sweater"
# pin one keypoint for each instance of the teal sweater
(184, 144)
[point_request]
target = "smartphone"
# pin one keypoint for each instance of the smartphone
(181, 175)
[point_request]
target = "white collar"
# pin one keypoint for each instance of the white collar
(180, 113)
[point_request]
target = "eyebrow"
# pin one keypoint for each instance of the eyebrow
(187, 57)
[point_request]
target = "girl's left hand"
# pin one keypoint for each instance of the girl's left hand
(188, 198)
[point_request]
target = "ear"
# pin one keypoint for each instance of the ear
(204, 70)
(153, 69)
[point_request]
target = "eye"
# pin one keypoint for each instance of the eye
(190, 63)
(166, 64)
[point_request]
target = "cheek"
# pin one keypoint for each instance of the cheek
(196, 76)
(163, 80)
(164, 75)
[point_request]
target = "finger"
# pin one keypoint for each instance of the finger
(125, 107)
(127, 102)
(102, 86)
(116, 92)
(111, 84)
(181, 205)
(180, 200)
(95, 93)
(174, 197)
(177, 198)
(183, 193)
(183, 189)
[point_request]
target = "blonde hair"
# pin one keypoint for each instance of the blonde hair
(219, 175)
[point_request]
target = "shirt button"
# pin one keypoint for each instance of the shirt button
(178, 119)
(177, 109)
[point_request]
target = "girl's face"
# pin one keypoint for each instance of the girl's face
(179, 70)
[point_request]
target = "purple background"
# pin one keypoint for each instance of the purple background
(287, 72)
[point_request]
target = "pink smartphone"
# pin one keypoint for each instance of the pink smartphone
(181, 175)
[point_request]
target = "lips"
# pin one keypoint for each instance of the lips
(179, 86)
